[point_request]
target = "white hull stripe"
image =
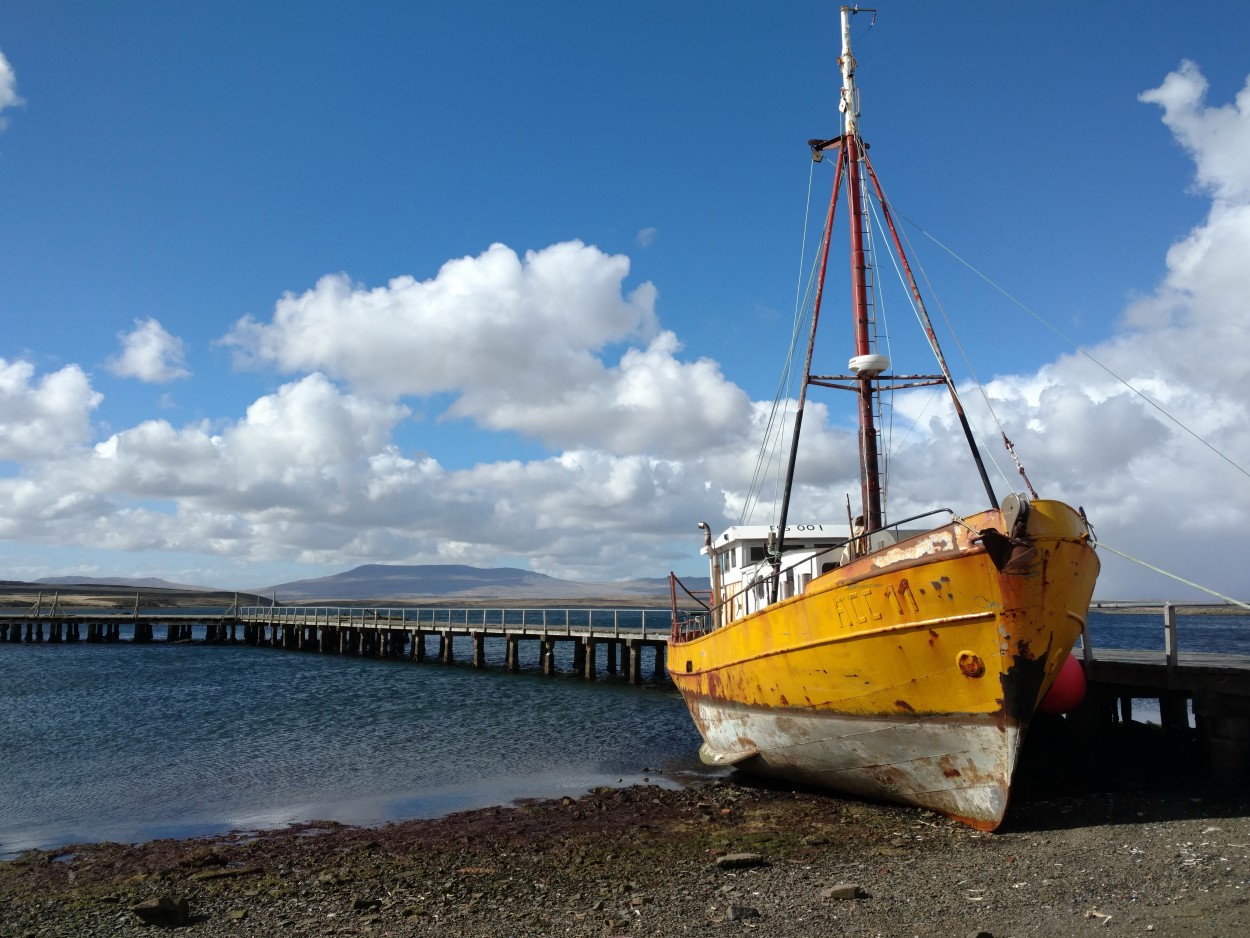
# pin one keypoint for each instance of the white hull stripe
(959, 766)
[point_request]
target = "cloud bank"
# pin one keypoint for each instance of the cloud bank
(640, 439)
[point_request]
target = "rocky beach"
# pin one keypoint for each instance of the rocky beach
(1114, 829)
(721, 857)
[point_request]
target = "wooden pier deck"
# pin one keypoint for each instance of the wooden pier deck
(615, 640)
(1203, 693)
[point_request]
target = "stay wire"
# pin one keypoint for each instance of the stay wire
(989, 451)
(1157, 406)
(771, 438)
(881, 325)
(963, 353)
(1103, 545)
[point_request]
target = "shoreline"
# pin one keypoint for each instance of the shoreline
(366, 812)
(646, 860)
(1116, 831)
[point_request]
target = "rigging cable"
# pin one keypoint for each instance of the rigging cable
(1013, 299)
(1141, 394)
(1102, 545)
(916, 312)
(772, 436)
(989, 450)
(878, 296)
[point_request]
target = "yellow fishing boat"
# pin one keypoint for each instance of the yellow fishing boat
(901, 660)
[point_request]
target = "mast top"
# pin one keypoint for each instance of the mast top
(849, 105)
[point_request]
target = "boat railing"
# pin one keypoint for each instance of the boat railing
(690, 623)
(896, 526)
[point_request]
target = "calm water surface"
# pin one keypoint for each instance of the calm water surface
(1223, 634)
(125, 742)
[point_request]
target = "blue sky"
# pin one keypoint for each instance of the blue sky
(575, 399)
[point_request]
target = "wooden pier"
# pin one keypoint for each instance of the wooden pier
(1206, 694)
(1213, 688)
(599, 642)
(1202, 693)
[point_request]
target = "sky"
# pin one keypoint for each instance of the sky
(287, 288)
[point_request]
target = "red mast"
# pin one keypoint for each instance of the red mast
(867, 366)
(870, 479)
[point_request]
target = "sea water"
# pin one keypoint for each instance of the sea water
(132, 742)
(1222, 634)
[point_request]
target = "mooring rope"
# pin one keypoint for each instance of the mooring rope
(1103, 545)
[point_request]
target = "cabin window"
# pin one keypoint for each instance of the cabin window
(758, 553)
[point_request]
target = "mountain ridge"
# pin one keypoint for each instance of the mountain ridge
(442, 581)
(143, 582)
(377, 581)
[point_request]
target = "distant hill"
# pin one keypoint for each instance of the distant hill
(146, 582)
(443, 581)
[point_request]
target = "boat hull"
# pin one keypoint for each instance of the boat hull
(955, 766)
(909, 675)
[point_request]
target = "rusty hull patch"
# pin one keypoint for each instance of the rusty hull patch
(920, 549)
(967, 778)
(970, 665)
(947, 765)
(1022, 682)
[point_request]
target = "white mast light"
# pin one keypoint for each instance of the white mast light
(871, 365)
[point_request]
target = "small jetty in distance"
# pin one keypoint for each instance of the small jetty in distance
(625, 640)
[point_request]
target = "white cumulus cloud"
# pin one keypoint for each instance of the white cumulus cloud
(41, 420)
(150, 354)
(524, 344)
(8, 90)
(524, 325)
(642, 440)
(1218, 138)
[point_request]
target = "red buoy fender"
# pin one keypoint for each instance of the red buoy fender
(1068, 690)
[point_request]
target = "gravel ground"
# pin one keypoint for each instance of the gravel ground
(652, 861)
(720, 858)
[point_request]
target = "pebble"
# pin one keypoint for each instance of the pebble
(163, 911)
(843, 891)
(740, 861)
